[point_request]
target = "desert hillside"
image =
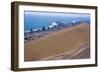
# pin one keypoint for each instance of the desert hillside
(57, 43)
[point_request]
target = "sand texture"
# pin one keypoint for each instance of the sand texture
(69, 43)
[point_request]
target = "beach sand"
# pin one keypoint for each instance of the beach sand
(69, 43)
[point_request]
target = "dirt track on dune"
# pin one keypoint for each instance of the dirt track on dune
(81, 51)
(60, 42)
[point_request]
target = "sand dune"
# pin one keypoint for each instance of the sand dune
(57, 43)
(80, 51)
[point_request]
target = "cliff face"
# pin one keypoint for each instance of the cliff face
(57, 42)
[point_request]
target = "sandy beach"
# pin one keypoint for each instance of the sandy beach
(69, 43)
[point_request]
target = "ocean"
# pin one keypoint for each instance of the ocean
(35, 19)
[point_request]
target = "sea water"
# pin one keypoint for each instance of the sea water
(36, 19)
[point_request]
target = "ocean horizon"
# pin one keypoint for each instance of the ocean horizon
(35, 20)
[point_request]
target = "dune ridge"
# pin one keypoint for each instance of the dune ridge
(57, 42)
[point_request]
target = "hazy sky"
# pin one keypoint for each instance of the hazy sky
(57, 14)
